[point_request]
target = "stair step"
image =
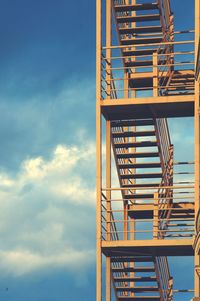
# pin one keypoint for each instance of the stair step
(139, 298)
(180, 88)
(136, 144)
(139, 63)
(138, 52)
(179, 225)
(137, 122)
(138, 289)
(135, 279)
(180, 208)
(132, 259)
(132, 186)
(184, 74)
(138, 18)
(142, 80)
(141, 41)
(138, 155)
(142, 176)
(175, 93)
(140, 165)
(140, 29)
(182, 215)
(133, 134)
(142, 63)
(135, 7)
(134, 270)
(181, 80)
(179, 235)
(138, 196)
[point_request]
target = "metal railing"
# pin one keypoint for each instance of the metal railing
(165, 281)
(174, 69)
(197, 62)
(165, 10)
(158, 222)
(198, 222)
(164, 141)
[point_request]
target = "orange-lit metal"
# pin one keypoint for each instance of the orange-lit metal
(147, 72)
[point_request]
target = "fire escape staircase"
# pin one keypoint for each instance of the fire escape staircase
(131, 162)
(148, 24)
(143, 151)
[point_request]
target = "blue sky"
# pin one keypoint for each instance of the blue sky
(47, 154)
(47, 130)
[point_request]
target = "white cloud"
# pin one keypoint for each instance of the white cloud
(47, 212)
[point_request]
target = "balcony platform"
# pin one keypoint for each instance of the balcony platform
(149, 107)
(178, 247)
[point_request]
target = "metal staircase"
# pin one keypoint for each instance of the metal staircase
(140, 278)
(149, 214)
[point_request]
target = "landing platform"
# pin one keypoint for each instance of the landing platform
(160, 107)
(181, 247)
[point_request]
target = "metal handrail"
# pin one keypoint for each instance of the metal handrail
(198, 62)
(165, 281)
(198, 222)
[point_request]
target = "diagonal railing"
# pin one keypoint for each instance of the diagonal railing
(165, 281)
(165, 13)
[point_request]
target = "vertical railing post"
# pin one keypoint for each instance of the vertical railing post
(155, 74)
(108, 47)
(126, 84)
(171, 164)
(108, 180)
(155, 216)
(170, 289)
(171, 32)
(108, 207)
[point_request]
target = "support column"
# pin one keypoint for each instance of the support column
(108, 143)
(98, 152)
(108, 207)
(197, 143)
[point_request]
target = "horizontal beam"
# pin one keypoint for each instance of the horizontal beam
(149, 107)
(181, 247)
(147, 100)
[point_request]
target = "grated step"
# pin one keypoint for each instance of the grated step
(137, 122)
(132, 259)
(138, 289)
(140, 29)
(138, 52)
(141, 41)
(136, 144)
(140, 165)
(139, 18)
(139, 298)
(135, 279)
(135, 7)
(138, 155)
(142, 176)
(132, 186)
(138, 196)
(129, 134)
(134, 270)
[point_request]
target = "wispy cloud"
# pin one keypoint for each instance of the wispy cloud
(47, 210)
(32, 125)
